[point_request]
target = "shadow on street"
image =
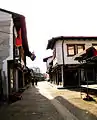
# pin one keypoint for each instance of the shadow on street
(33, 106)
(37, 107)
(79, 113)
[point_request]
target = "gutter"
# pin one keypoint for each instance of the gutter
(63, 51)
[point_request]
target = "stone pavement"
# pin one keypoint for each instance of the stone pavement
(33, 106)
(71, 98)
(45, 102)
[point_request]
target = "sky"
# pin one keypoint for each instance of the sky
(51, 18)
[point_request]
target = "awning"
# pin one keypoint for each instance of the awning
(88, 54)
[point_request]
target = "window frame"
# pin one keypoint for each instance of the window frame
(70, 45)
(83, 45)
(75, 49)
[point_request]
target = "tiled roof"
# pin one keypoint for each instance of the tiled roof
(52, 41)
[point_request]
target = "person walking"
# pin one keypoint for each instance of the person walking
(36, 80)
(32, 81)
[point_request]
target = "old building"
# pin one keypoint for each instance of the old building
(63, 63)
(48, 61)
(13, 51)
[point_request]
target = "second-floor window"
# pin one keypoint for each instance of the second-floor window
(70, 50)
(80, 48)
(16, 52)
(73, 49)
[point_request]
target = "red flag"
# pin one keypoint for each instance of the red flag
(19, 39)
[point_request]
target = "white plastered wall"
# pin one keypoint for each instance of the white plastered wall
(70, 60)
(6, 21)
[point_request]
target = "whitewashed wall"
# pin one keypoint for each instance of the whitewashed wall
(69, 60)
(6, 26)
(58, 52)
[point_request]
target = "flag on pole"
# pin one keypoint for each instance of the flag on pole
(19, 39)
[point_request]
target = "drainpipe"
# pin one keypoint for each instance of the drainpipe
(63, 62)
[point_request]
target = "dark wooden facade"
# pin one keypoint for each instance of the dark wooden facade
(87, 67)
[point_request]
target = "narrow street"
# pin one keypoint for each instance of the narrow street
(52, 44)
(45, 102)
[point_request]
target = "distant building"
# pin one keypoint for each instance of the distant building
(36, 69)
(48, 61)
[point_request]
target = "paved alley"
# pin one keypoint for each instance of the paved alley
(33, 106)
(69, 103)
(44, 102)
